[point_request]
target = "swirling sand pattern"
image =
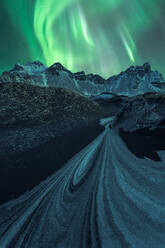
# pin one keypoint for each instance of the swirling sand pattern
(103, 197)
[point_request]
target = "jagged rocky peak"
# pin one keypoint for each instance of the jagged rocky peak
(18, 67)
(140, 69)
(96, 78)
(56, 68)
(30, 67)
(31, 73)
(56, 75)
(91, 77)
(80, 75)
(135, 80)
(139, 72)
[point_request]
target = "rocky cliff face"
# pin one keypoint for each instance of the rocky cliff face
(136, 80)
(133, 81)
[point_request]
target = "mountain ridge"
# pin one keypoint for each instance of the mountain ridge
(133, 81)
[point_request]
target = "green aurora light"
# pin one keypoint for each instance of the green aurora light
(99, 36)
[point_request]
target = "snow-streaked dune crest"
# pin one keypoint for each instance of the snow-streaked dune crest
(103, 197)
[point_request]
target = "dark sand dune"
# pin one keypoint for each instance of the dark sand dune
(104, 197)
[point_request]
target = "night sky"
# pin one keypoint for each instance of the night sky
(99, 36)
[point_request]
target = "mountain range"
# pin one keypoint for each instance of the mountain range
(133, 81)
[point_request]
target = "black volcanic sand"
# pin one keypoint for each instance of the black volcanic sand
(144, 142)
(22, 171)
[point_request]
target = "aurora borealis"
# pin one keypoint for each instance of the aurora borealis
(99, 36)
